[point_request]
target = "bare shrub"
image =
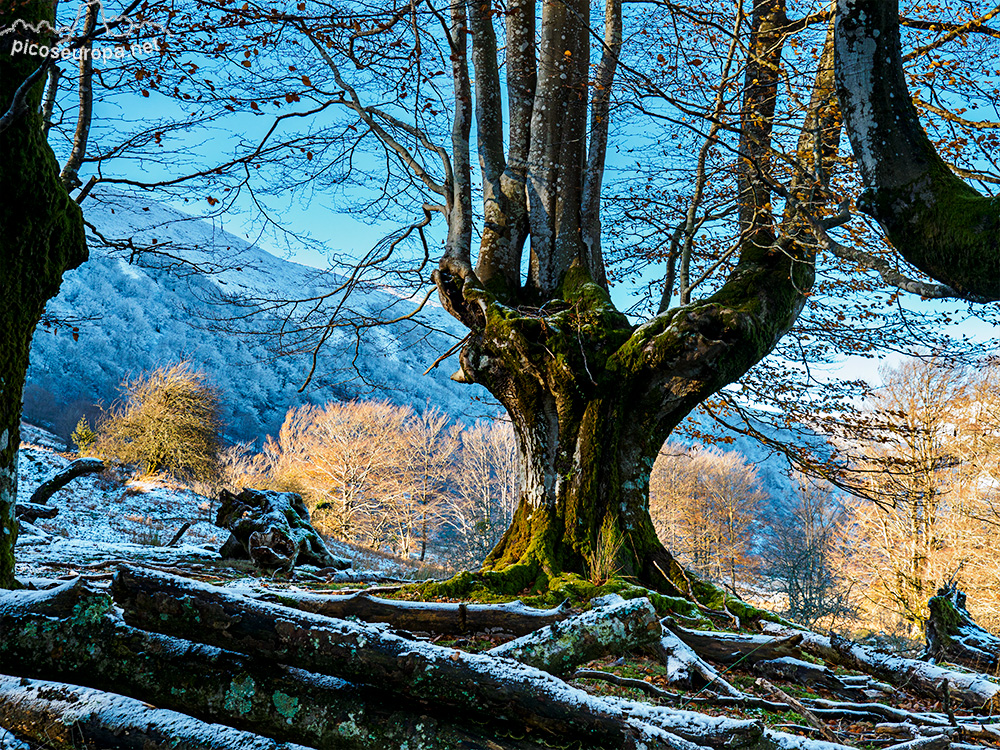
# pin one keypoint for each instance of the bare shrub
(166, 421)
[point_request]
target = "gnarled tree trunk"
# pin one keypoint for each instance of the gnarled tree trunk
(41, 236)
(592, 397)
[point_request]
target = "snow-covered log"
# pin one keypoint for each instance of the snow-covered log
(478, 684)
(430, 617)
(731, 647)
(613, 629)
(273, 530)
(78, 468)
(686, 668)
(61, 717)
(918, 677)
(31, 512)
(804, 673)
(953, 636)
(70, 632)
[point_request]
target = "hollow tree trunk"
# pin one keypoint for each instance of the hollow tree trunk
(41, 236)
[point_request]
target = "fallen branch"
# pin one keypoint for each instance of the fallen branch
(80, 467)
(731, 647)
(71, 631)
(919, 677)
(780, 696)
(614, 629)
(31, 512)
(427, 617)
(685, 667)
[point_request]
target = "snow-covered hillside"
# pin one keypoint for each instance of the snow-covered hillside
(135, 317)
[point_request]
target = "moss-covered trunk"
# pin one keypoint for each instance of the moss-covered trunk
(41, 235)
(593, 399)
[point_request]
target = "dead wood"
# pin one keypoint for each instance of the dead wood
(780, 696)
(560, 648)
(180, 532)
(685, 667)
(805, 673)
(953, 636)
(485, 685)
(731, 647)
(273, 530)
(60, 716)
(31, 512)
(70, 633)
(918, 677)
(80, 467)
(427, 617)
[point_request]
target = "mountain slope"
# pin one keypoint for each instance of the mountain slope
(135, 317)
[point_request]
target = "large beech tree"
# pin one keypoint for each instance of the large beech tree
(41, 236)
(592, 396)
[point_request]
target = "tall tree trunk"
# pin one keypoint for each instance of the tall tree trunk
(41, 236)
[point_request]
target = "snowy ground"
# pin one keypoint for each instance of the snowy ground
(107, 518)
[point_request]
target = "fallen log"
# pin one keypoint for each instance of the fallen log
(560, 648)
(273, 530)
(31, 512)
(485, 685)
(60, 716)
(427, 617)
(80, 467)
(953, 636)
(918, 677)
(804, 673)
(69, 632)
(685, 667)
(731, 647)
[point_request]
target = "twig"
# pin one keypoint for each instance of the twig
(447, 354)
(780, 695)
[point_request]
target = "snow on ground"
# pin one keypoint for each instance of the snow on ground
(109, 517)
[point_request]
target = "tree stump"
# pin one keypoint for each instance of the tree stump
(273, 530)
(953, 636)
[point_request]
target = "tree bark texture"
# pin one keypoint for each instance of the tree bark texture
(273, 530)
(79, 468)
(592, 397)
(429, 617)
(60, 716)
(935, 220)
(70, 633)
(41, 236)
(479, 684)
